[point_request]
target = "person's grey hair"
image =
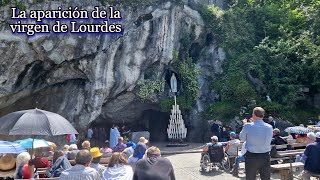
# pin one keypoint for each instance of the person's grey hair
(83, 157)
(73, 147)
(23, 158)
(120, 139)
(66, 147)
(312, 136)
(259, 112)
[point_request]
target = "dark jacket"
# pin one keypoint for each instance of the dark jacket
(278, 140)
(312, 152)
(272, 123)
(155, 168)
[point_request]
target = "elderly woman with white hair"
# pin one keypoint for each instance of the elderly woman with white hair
(22, 170)
(73, 151)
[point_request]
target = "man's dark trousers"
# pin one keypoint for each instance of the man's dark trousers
(257, 162)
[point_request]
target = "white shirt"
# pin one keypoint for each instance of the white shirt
(233, 147)
(118, 172)
(243, 149)
(258, 136)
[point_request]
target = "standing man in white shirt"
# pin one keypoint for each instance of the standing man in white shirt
(258, 136)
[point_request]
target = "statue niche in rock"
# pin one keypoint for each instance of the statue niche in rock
(176, 128)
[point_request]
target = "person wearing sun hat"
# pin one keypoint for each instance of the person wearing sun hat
(312, 164)
(139, 150)
(7, 162)
(96, 157)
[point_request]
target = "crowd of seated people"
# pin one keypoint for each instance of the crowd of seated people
(310, 157)
(87, 162)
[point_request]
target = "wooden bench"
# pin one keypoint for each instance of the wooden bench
(294, 145)
(279, 158)
(105, 165)
(289, 153)
(285, 169)
(42, 172)
(104, 160)
(42, 169)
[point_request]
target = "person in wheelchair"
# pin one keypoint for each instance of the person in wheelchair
(214, 142)
(213, 155)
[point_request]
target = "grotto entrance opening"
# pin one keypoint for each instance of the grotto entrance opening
(153, 121)
(157, 124)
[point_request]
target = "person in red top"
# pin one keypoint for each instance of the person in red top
(40, 162)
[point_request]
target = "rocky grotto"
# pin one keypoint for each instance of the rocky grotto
(95, 78)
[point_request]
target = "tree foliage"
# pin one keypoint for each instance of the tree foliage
(275, 42)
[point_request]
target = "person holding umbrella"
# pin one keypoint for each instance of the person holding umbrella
(35, 122)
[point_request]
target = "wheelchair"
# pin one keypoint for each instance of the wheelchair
(214, 158)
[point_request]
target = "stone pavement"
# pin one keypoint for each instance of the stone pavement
(191, 148)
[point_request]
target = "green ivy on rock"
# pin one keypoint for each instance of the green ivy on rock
(274, 42)
(148, 87)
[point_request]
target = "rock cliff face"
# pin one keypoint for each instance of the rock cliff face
(89, 78)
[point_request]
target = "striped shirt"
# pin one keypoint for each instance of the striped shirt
(98, 167)
(80, 172)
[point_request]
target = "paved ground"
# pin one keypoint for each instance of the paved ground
(187, 167)
(192, 147)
